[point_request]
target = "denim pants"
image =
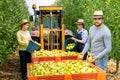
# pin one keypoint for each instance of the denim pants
(102, 62)
(25, 57)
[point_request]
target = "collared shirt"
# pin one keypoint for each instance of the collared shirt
(84, 34)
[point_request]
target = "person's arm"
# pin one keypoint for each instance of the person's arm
(107, 42)
(87, 46)
(84, 38)
(30, 36)
(77, 40)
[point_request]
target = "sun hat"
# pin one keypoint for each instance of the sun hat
(24, 21)
(98, 14)
(80, 21)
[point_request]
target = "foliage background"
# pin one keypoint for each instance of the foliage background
(11, 14)
(75, 9)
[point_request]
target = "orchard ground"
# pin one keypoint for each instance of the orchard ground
(10, 70)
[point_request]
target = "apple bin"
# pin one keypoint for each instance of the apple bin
(64, 70)
(54, 55)
(54, 58)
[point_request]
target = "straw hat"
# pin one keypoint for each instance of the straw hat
(98, 14)
(80, 21)
(24, 21)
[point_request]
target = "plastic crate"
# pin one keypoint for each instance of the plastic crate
(55, 77)
(86, 76)
(41, 59)
(99, 75)
(69, 57)
(54, 58)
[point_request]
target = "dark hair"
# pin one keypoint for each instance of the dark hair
(83, 25)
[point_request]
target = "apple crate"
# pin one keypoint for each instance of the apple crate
(40, 59)
(53, 58)
(99, 75)
(55, 77)
(69, 57)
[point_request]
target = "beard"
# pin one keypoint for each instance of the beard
(97, 24)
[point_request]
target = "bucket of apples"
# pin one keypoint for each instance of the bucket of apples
(70, 45)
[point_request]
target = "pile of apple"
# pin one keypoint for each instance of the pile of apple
(111, 66)
(70, 46)
(60, 68)
(55, 52)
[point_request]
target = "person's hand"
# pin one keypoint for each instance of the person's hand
(74, 39)
(82, 53)
(94, 59)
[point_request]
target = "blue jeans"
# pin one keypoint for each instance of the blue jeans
(25, 57)
(102, 62)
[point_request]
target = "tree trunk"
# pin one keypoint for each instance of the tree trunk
(117, 65)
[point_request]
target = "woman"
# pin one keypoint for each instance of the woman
(81, 37)
(23, 37)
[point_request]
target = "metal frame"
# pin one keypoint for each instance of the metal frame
(51, 11)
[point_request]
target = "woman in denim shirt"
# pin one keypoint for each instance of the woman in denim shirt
(81, 37)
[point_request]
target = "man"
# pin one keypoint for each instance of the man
(68, 33)
(99, 41)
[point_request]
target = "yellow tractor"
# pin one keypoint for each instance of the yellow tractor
(51, 27)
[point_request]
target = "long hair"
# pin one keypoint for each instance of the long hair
(83, 25)
(21, 26)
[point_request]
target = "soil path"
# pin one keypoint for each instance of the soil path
(10, 70)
